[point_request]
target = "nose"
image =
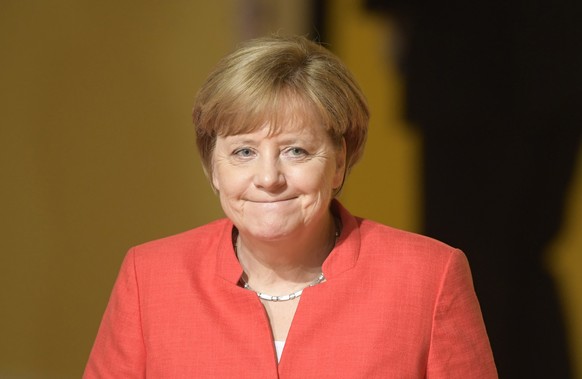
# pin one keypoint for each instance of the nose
(268, 175)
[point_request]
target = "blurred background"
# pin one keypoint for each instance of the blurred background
(474, 140)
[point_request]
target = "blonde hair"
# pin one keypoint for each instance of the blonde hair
(269, 78)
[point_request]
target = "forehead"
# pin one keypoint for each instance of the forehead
(285, 113)
(284, 133)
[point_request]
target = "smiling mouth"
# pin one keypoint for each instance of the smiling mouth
(272, 201)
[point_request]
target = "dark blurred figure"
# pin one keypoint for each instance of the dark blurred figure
(495, 88)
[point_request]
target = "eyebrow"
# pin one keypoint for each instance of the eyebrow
(239, 139)
(285, 140)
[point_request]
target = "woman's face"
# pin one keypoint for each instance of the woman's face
(274, 186)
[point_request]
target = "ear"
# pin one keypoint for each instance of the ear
(210, 172)
(214, 180)
(340, 167)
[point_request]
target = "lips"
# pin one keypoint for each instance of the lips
(272, 201)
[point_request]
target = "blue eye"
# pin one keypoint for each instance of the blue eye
(244, 152)
(297, 152)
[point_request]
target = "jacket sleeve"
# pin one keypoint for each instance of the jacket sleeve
(119, 351)
(459, 343)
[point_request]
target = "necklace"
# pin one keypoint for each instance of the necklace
(291, 296)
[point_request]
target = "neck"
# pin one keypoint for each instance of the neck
(296, 259)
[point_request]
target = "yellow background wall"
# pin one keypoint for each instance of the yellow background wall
(565, 259)
(98, 155)
(385, 185)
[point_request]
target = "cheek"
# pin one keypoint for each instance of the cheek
(221, 175)
(313, 181)
(229, 182)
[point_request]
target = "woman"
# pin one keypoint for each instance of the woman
(290, 284)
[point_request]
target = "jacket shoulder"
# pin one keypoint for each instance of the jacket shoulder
(397, 243)
(199, 239)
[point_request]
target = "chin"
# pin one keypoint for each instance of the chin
(271, 232)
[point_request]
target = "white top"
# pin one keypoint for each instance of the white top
(279, 345)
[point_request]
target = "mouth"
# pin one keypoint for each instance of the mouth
(272, 201)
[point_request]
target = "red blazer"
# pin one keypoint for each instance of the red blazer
(394, 305)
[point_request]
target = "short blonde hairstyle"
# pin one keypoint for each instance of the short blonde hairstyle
(256, 85)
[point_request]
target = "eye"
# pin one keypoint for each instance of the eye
(244, 152)
(296, 152)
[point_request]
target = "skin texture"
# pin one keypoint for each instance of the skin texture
(277, 187)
